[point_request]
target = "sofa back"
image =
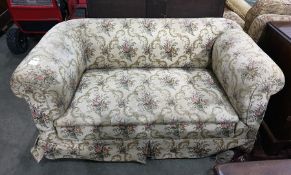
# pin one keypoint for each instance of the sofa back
(124, 43)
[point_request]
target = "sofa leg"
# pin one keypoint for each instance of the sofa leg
(224, 157)
(235, 155)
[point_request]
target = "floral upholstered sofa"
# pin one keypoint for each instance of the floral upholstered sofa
(128, 89)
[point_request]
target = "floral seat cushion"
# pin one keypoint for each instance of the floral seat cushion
(112, 103)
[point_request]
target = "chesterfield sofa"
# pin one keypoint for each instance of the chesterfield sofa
(129, 89)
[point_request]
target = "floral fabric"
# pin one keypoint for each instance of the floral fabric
(47, 78)
(248, 76)
(228, 14)
(184, 130)
(257, 16)
(279, 7)
(147, 96)
(114, 43)
(259, 24)
(160, 98)
(131, 149)
(239, 7)
(147, 102)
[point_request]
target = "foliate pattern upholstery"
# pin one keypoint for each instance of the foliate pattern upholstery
(186, 113)
(257, 16)
(71, 47)
(145, 103)
(182, 130)
(131, 150)
(114, 43)
(228, 14)
(279, 7)
(259, 24)
(50, 145)
(239, 7)
(248, 76)
(48, 76)
(147, 96)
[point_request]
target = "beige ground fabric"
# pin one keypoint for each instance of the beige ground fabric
(239, 7)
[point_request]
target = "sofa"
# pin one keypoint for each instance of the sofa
(254, 19)
(239, 7)
(236, 10)
(132, 89)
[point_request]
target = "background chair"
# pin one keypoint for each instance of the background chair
(256, 17)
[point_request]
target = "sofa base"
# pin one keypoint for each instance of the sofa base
(50, 146)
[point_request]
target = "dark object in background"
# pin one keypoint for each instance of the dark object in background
(5, 19)
(16, 41)
(275, 131)
(155, 8)
(34, 18)
(269, 167)
(31, 18)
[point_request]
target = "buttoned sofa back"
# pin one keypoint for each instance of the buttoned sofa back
(115, 43)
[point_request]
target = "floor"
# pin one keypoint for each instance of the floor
(17, 135)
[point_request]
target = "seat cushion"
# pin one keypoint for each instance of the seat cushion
(138, 99)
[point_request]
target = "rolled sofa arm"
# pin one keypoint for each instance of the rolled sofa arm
(259, 24)
(48, 76)
(279, 7)
(228, 14)
(248, 75)
(239, 7)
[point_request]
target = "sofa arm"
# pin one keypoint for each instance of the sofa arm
(228, 14)
(248, 76)
(279, 7)
(239, 7)
(48, 76)
(258, 25)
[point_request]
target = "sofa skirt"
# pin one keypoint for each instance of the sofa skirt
(50, 146)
